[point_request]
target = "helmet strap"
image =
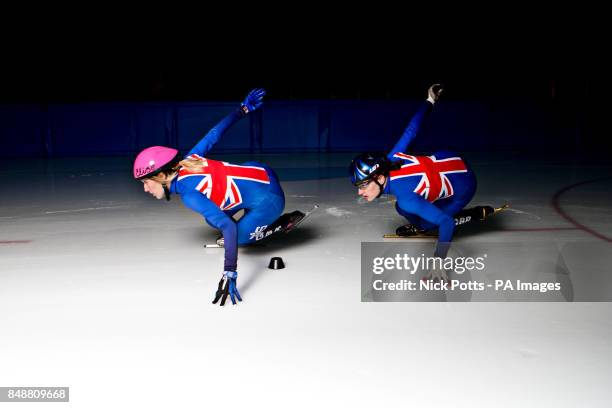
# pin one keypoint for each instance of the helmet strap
(166, 192)
(165, 186)
(380, 186)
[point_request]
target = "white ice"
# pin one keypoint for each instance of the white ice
(110, 294)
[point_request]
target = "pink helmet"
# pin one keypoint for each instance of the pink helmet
(152, 160)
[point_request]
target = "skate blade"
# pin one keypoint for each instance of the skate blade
(500, 209)
(213, 246)
(410, 236)
(299, 221)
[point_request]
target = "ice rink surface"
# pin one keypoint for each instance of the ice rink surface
(108, 291)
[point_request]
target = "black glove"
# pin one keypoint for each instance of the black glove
(227, 286)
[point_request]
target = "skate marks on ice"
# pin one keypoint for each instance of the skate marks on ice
(338, 212)
(85, 209)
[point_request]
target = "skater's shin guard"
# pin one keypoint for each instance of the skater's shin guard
(473, 214)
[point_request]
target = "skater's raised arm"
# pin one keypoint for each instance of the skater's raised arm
(433, 94)
(219, 220)
(252, 101)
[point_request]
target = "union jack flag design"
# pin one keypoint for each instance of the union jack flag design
(219, 180)
(433, 184)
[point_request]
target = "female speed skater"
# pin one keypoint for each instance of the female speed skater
(431, 191)
(218, 190)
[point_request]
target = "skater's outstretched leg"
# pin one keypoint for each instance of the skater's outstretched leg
(478, 213)
(252, 226)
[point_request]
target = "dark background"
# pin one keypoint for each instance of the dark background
(112, 95)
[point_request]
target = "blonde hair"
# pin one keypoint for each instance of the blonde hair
(191, 165)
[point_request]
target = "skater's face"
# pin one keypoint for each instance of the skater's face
(154, 188)
(370, 190)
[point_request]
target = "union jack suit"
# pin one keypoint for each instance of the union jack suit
(429, 190)
(219, 182)
(221, 189)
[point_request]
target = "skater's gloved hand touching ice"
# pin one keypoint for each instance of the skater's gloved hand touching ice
(253, 100)
(436, 273)
(434, 92)
(227, 286)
